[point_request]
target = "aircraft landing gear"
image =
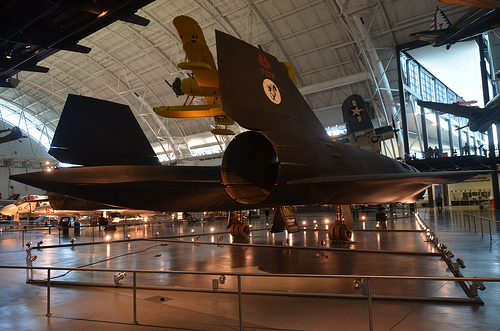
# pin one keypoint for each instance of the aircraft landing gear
(236, 225)
(339, 232)
(239, 230)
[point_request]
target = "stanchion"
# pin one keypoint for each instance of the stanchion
(134, 285)
(48, 294)
(239, 303)
(370, 308)
(489, 225)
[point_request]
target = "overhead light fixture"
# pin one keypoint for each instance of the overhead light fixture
(102, 14)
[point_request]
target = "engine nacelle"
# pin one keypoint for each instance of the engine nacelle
(257, 165)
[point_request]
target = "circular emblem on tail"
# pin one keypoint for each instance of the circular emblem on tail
(272, 91)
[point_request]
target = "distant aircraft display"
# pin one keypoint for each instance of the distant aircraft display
(54, 205)
(480, 119)
(14, 134)
(484, 17)
(286, 157)
(25, 205)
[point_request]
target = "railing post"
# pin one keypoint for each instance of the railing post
(489, 225)
(48, 294)
(135, 296)
(370, 308)
(482, 233)
(239, 303)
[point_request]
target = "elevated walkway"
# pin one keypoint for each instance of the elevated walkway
(471, 162)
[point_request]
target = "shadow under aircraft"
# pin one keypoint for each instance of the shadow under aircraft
(286, 158)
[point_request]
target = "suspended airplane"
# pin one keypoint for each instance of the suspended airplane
(480, 119)
(484, 17)
(286, 157)
(360, 130)
(34, 30)
(204, 81)
(14, 134)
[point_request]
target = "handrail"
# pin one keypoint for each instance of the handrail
(204, 273)
(476, 282)
(478, 216)
(481, 218)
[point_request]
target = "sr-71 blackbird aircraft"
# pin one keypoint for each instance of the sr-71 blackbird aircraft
(480, 119)
(484, 17)
(285, 158)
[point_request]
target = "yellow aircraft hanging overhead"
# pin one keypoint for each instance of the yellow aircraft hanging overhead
(204, 81)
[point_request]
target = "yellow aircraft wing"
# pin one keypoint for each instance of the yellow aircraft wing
(199, 57)
(190, 111)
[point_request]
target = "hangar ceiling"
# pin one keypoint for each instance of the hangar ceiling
(337, 48)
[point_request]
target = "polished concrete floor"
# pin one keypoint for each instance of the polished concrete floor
(82, 300)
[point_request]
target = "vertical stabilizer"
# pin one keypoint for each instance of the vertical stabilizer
(93, 132)
(257, 92)
(440, 21)
(355, 114)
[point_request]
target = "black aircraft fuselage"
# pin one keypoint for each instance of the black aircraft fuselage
(286, 158)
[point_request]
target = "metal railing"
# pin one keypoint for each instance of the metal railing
(466, 218)
(363, 282)
(141, 230)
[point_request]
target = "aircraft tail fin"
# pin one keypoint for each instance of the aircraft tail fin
(93, 132)
(355, 114)
(439, 27)
(248, 73)
(439, 21)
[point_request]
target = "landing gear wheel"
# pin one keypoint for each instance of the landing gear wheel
(345, 234)
(339, 232)
(332, 232)
(240, 230)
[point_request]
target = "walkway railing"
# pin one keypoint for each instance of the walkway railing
(363, 282)
(466, 219)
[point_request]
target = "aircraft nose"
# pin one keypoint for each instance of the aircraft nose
(9, 210)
